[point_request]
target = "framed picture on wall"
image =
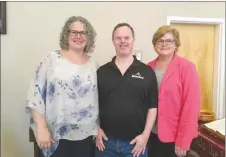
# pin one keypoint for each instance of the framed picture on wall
(2, 17)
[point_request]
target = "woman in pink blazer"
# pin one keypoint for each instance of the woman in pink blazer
(179, 97)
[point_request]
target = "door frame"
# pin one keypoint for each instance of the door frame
(219, 66)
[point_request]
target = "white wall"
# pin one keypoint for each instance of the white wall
(33, 30)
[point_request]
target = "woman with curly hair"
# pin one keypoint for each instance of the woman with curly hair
(63, 96)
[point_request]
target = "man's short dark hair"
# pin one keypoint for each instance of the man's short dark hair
(122, 25)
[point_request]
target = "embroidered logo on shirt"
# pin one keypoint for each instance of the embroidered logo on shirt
(138, 75)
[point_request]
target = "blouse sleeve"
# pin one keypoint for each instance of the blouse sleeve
(36, 96)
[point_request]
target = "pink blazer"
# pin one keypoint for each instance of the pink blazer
(178, 103)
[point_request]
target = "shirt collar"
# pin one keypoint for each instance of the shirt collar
(135, 61)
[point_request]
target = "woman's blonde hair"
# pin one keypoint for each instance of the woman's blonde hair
(161, 31)
(88, 28)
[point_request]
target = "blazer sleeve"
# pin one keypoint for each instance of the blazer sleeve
(191, 99)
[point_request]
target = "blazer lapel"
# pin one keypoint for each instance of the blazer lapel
(170, 69)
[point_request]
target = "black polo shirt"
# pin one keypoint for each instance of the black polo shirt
(124, 100)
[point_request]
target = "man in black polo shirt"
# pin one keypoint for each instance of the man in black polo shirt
(128, 97)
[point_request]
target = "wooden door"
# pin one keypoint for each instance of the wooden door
(198, 46)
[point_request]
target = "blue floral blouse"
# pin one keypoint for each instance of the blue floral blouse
(67, 95)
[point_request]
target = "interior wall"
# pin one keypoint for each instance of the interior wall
(33, 30)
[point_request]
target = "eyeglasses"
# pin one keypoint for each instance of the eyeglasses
(167, 42)
(75, 33)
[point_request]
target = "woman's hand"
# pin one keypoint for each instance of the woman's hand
(44, 138)
(99, 139)
(180, 152)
